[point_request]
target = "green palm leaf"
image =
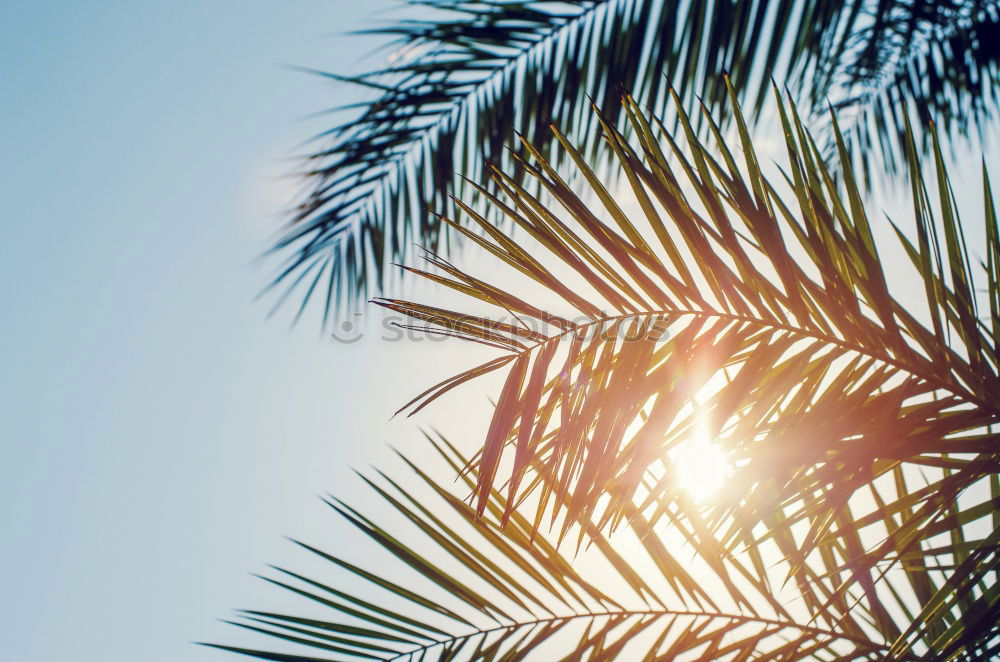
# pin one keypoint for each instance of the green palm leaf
(768, 327)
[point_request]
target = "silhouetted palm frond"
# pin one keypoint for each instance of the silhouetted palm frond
(942, 58)
(696, 303)
(464, 79)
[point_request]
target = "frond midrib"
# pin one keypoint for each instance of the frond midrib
(885, 358)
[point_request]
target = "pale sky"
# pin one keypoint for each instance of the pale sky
(160, 435)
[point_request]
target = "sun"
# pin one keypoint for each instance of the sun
(700, 468)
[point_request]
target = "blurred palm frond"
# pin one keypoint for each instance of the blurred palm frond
(470, 74)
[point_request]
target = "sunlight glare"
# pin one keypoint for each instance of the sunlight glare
(701, 467)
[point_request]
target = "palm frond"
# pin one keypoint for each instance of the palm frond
(475, 593)
(940, 60)
(706, 306)
(470, 74)
(461, 83)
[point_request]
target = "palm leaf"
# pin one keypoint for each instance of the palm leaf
(709, 306)
(939, 59)
(474, 592)
(470, 74)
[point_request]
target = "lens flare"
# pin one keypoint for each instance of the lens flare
(701, 468)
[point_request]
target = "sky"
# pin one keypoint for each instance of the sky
(160, 434)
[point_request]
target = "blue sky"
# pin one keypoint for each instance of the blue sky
(160, 435)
